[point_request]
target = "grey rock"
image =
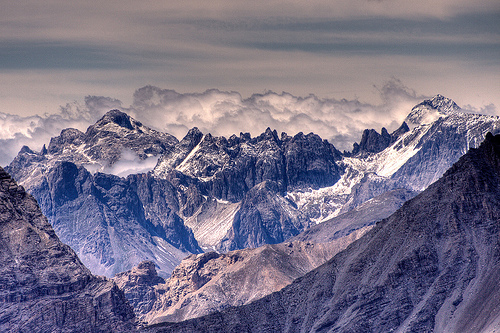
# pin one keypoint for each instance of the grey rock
(440, 133)
(210, 282)
(215, 193)
(265, 217)
(138, 285)
(372, 142)
(310, 162)
(43, 285)
(115, 131)
(114, 223)
(230, 168)
(111, 222)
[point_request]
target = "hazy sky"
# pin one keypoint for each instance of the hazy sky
(55, 52)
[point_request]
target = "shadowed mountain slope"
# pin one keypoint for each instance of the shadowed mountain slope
(434, 265)
(43, 285)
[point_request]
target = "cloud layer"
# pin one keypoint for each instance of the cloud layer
(219, 113)
(36, 131)
(58, 51)
(227, 113)
(222, 113)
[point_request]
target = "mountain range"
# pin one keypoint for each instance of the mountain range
(211, 193)
(235, 225)
(432, 266)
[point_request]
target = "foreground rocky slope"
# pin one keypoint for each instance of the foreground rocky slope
(434, 265)
(43, 285)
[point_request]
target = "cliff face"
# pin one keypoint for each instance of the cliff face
(113, 223)
(434, 265)
(43, 285)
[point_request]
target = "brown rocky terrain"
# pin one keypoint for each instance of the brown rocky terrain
(211, 281)
(208, 282)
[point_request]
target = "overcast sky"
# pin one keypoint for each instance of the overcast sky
(57, 53)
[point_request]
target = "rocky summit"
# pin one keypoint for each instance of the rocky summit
(432, 266)
(43, 285)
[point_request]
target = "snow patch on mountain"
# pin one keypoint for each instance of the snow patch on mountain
(184, 166)
(439, 128)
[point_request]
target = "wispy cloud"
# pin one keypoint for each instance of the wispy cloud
(128, 164)
(69, 49)
(217, 112)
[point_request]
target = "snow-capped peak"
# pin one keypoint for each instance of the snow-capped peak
(430, 110)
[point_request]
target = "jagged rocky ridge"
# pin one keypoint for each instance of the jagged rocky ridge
(439, 133)
(120, 222)
(432, 266)
(373, 142)
(43, 285)
(208, 193)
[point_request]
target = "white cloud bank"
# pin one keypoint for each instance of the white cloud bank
(221, 113)
(35, 131)
(226, 113)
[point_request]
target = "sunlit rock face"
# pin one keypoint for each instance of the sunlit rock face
(209, 282)
(43, 285)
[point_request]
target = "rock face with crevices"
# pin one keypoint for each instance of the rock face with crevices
(112, 223)
(432, 266)
(43, 285)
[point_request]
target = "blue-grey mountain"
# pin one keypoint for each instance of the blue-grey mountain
(214, 193)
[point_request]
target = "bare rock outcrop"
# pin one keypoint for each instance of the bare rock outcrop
(210, 282)
(43, 285)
